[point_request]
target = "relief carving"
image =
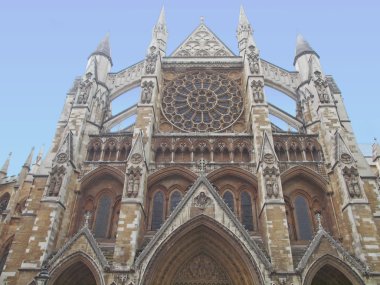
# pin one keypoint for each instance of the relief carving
(202, 201)
(351, 177)
(253, 60)
(147, 91)
(56, 178)
(151, 59)
(271, 185)
(321, 86)
(133, 182)
(84, 89)
(257, 91)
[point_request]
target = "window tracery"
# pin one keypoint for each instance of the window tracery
(202, 101)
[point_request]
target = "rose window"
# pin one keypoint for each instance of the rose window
(202, 101)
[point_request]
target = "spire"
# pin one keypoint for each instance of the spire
(160, 33)
(244, 32)
(243, 19)
(28, 161)
(4, 169)
(104, 48)
(303, 47)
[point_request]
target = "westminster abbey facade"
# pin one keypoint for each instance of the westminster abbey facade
(204, 187)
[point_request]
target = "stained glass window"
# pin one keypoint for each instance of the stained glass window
(158, 210)
(305, 231)
(246, 211)
(174, 200)
(102, 216)
(229, 199)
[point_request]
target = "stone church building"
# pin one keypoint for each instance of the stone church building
(203, 188)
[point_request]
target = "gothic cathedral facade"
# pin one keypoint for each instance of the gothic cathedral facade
(203, 188)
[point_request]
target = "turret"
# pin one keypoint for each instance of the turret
(306, 60)
(99, 63)
(4, 169)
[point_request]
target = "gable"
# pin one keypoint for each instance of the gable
(202, 42)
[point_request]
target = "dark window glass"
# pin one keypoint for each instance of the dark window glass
(3, 258)
(174, 200)
(4, 202)
(158, 210)
(229, 199)
(246, 211)
(102, 217)
(305, 231)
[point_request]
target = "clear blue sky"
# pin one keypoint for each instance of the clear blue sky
(45, 44)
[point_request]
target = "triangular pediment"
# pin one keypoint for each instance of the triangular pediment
(329, 244)
(82, 242)
(342, 151)
(202, 42)
(137, 153)
(203, 200)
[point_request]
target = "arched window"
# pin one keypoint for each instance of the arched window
(102, 216)
(4, 200)
(4, 255)
(110, 151)
(246, 211)
(229, 199)
(302, 214)
(125, 148)
(157, 210)
(281, 152)
(175, 198)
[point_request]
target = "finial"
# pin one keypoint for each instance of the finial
(243, 19)
(87, 217)
(202, 19)
(40, 154)
(161, 18)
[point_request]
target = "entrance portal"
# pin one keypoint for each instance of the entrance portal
(76, 274)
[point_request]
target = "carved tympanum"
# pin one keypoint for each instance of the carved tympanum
(202, 201)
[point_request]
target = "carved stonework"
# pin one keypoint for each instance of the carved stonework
(136, 158)
(352, 179)
(133, 182)
(147, 91)
(122, 279)
(257, 91)
(202, 270)
(62, 158)
(271, 185)
(84, 89)
(56, 178)
(268, 158)
(322, 87)
(202, 101)
(346, 158)
(202, 43)
(151, 60)
(253, 60)
(202, 201)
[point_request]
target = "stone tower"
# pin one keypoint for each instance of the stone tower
(203, 188)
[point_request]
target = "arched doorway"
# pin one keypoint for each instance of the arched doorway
(77, 269)
(76, 274)
(328, 275)
(201, 252)
(329, 270)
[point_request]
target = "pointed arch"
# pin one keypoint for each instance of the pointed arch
(325, 267)
(76, 268)
(4, 251)
(233, 171)
(308, 174)
(102, 171)
(169, 171)
(201, 236)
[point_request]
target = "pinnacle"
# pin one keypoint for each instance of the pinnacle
(4, 169)
(28, 161)
(104, 48)
(161, 18)
(243, 19)
(303, 47)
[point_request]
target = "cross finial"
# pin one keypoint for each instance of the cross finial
(202, 165)
(319, 221)
(202, 20)
(87, 217)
